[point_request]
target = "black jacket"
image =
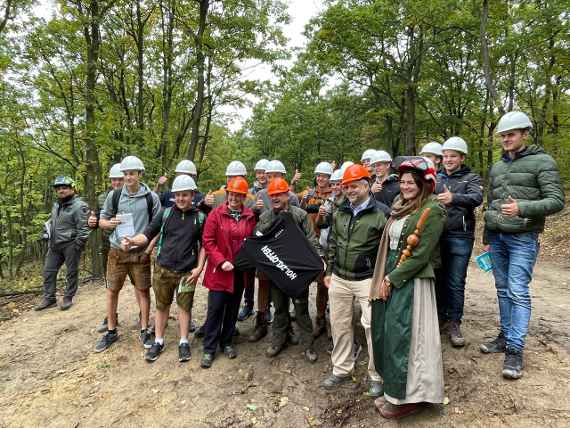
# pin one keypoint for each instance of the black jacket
(390, 189)
(467, 195)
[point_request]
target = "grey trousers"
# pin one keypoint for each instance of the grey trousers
(69, 254)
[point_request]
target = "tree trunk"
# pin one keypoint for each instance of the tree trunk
(167, 23)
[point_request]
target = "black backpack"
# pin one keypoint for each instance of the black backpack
(115, 203)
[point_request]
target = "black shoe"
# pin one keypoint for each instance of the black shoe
(184, 353)
(274, 350)
(455, 336)
(147, 338)
(497, 345)
(154, 352)
(230, 352)
(310, 355)
(207, 360)
(106, 341)
(334, 381)
(45, 304)
(200, 333)
(192, 327)
(66, 304)
(245, 312)
(513, 365)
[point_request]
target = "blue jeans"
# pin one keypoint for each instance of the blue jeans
(514, 256)
(455, 255)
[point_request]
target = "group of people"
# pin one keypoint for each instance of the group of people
(395, 235)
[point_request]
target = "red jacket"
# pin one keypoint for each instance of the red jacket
(222, 239)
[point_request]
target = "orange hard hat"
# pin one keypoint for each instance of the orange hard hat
(237, 185)
(276, 186)
(354, 173)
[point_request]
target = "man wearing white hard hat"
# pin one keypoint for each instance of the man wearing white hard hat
(524, 188)
(127, 212)
(179, 261)
(365, 159)
(460, 191)
(433, 152)
(311, 199)
(385, 184)
(184, 167)
(218, 197)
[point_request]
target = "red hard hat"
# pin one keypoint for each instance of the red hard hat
(354, 173)
(237, 185)
(276, 186)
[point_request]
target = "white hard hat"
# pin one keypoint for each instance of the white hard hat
(345, 165)
(324, 168)
(182, 183)
(336, 175)
(261, 165)
(236, 168)
(186, 166)
(115, 171)
(432, 148)
(368, 153)
(513, 120)
(275, 166)
(455, 143)
(380, 156)
(132, 163)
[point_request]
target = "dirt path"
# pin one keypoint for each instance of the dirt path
(49, 375)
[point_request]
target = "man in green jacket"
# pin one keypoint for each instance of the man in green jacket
(524, 188)
(354, 236)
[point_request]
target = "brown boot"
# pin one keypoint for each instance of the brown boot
(260, 329)
(455, 335)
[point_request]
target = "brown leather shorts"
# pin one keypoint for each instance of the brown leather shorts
(165, 283)
(134, 264)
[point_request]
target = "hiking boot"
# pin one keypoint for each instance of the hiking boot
(184, 353)
(455, 335)
(66, 303)
(334, 381)
(375, 389)
(245, 312)
(106, 341)
(45, 304)
(230, 352)
(147, 338)
(274, 350)
(513, 365)
(310, 355)
(207, 360)
(154, 352)
(495, 346)
(260, 329)
(320, 326)
(200, 333)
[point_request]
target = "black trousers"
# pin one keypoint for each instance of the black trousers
(55, 258)
(223, 308)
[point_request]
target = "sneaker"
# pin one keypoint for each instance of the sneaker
(334, 381)
(513, 365)
(45, 304)
(66, 303)
(455, 336)
(245, 312)
(106, 341)
(230, 352)
(207, 360)
(497, 345)
(147, 338)
(310, 355)
(184, 353)
(154, 352)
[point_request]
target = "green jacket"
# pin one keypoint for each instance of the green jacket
(532, 178)
(301, 219)
(353, 240)
(392, 320)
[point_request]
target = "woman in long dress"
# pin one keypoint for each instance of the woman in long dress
(405, 332)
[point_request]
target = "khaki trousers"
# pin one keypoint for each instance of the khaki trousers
(341, 294)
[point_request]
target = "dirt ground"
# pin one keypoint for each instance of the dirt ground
(50, 376)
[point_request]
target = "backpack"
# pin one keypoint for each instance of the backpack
(117, 196)
(199, 220)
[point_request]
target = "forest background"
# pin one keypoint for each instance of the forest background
(101, 79)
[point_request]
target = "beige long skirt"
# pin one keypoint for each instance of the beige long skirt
(425, 365)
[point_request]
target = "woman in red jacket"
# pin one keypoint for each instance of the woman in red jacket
(226, 228)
